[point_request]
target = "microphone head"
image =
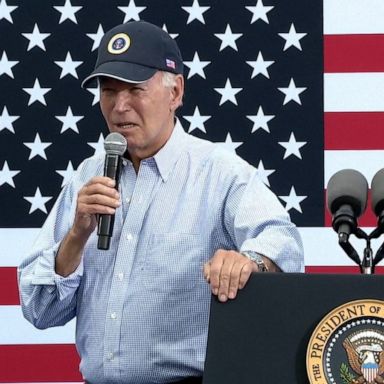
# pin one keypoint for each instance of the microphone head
(115, 144)
(347, 187)
(377, 192)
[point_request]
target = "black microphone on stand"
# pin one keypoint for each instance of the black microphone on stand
(115, 145)
(347, 193)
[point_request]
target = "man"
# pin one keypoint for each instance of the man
(187, 213)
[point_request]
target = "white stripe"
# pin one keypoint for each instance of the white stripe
(14, 245)
(366, 162)
(14, 329)
(353, 16)
(354, 92)
(330, 253)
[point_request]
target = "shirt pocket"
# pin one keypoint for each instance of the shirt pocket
(174, 262)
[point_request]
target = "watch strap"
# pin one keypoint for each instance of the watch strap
(257, 258)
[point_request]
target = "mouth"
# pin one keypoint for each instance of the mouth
(125, 125)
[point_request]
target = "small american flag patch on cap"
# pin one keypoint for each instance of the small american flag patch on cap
(170, 63)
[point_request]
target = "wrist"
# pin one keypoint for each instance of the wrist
(257, 259)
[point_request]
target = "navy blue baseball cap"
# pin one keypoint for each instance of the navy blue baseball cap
(134, 51)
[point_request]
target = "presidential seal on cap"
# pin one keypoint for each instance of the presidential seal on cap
(134, 51)
(119, 44)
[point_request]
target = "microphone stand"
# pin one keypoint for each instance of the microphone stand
(348, 247)
(379, 255)
(375, 234)
(344, 223)
(367, 264)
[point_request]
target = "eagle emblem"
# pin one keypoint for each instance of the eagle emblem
(365, 351)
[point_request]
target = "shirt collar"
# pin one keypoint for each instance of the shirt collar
(168, 155)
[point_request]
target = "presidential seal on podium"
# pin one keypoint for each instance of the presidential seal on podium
(347, 346)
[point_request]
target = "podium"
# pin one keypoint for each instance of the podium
(262, 336)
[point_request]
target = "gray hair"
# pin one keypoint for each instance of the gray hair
(169, 79)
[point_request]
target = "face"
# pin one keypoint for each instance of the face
(143, 113)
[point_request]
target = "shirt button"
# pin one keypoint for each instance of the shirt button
(125, 162)
(110, 356)
(129, 236)
(113, 315)
(128, 200)
(120, 276)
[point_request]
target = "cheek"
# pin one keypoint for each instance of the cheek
(105, 110)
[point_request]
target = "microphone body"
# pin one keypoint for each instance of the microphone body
(115, 146)
(344, 220)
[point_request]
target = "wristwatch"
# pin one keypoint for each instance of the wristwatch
(257, 258)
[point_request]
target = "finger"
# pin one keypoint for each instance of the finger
(97, 209)
(101, 180)
(99, 199)
(246, 272)
(97, 193)
(234, 282)
(225, 278)
(206, 271)
(98, 189)
(214, 273)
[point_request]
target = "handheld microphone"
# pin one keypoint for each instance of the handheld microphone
(347, 193)
(115, 145)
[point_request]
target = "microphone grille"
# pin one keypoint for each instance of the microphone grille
(115, 144)
(377, 190)
(347, 187)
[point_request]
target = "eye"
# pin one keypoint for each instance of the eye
(107, 90)
(137, 89)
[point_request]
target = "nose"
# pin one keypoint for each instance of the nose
(122, 101)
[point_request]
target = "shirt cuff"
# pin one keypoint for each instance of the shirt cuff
(44, 274)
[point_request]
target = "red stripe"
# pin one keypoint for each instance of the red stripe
(339, 269)
(353, 130)
(39, 363)
(368, 219)
(353, 53)
(9, 295)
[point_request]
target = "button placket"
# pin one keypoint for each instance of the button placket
(144, 189)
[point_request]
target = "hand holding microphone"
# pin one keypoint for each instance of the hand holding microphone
(115, 145)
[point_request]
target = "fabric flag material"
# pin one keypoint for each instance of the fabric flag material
(295, 87)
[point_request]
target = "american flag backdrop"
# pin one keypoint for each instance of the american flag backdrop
(295, 87)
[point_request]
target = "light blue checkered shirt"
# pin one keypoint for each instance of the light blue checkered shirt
(142, 307)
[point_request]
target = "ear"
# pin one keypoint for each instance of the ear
(177, 93)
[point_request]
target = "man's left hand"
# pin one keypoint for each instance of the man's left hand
(227, 272)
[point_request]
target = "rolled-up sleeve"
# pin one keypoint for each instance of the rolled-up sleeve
(46, 298)
(258, 222)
